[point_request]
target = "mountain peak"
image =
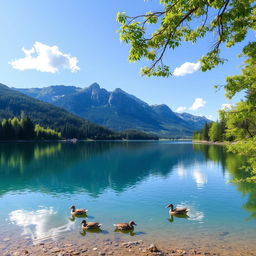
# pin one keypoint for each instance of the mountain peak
(94, 86)
(119, 90)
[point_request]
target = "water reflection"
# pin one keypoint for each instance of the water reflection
(95, 167)
(199, 177)
(88, 167)
(232, 163)
(41, 224)
(180, 216)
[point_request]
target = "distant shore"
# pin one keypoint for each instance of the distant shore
(210, 142)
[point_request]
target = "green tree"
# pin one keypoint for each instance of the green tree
(205, 131)
(186, 21)
(215, 133)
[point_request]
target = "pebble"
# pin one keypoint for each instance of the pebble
(55, 250)
(131, 243)
(95, 249)
(64, 254)
(153, 248)
(67, 245)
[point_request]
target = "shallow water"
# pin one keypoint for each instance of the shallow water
(123, 181)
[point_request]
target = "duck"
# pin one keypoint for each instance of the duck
(125, 226)
(176, 211)
(90, 225)
(77, 212)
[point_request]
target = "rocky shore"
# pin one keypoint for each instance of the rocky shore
(137, 247)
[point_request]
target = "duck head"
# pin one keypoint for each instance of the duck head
(170, 206)
(83, 223)
(132, 223)
(73, 208)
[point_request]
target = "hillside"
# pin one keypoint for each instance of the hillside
(13, 103)
(118, 110)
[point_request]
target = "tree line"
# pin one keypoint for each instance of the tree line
(24, 129)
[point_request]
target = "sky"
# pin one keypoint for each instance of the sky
(63, 42)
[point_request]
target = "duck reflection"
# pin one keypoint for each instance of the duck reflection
(93, 231)
(180, 216)
(126, 232)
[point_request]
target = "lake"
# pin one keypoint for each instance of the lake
(123, 181)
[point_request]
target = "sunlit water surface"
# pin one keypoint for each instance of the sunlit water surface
(123, 181)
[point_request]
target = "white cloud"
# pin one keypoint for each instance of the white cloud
(181, 109)
(45, 58)
(198, 103)
(226, 106)
(186, 68)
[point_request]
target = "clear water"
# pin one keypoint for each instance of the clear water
(123, 181)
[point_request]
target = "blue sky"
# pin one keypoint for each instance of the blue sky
(86, 30)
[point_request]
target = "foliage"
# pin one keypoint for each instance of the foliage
(213, 132)
(247, 148)
(240, 121)
(186, 21)
(24, 129)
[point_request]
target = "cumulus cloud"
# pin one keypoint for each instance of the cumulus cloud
(198, 103)
(186, 68)
(45, 58)
(226, 106)
(181, 109)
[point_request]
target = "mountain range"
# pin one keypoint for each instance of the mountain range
(13, 103)
(118, 110)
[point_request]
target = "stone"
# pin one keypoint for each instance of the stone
(131, 243)
(55, 250)
(95, 249)
(67, 245)
(153, 248)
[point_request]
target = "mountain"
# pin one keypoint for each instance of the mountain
(197, 121)
(118, 110)
(13, 103)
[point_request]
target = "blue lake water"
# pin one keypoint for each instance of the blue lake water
(123, 181)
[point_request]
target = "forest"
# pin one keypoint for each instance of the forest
(24, 129)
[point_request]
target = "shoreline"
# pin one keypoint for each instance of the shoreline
(120, 247)
(210, 142)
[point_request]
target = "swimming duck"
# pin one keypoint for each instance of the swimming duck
(176, 211)
(75, 212)
(90, 225)
(125, 226)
